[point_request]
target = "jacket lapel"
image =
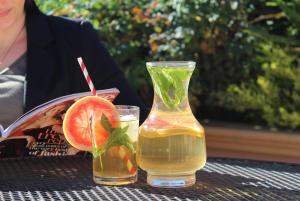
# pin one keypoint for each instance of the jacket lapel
(41, 61)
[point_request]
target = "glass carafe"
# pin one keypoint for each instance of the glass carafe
(171, 144)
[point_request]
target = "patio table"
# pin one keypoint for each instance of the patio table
(70, 178)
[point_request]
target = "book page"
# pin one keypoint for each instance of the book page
(39, 132)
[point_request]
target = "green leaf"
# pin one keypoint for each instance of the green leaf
(264, 35)
(169, 84)
(125, 129)
(97, 151)
(117, 137)
(106, 124)
(292, 13)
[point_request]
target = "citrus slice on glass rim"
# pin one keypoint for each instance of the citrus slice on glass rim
(76, 124)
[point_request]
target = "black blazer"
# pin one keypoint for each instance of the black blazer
(54, 43)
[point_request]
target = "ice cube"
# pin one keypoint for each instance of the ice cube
(129, 117)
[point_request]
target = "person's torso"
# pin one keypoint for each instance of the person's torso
(12, 93)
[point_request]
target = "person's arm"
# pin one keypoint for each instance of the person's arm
(1, 132)
(30, 140)
(104, 71)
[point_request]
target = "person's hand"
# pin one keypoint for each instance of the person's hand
(72, 151)
(31, 142)
(1, 132)
(58, 129)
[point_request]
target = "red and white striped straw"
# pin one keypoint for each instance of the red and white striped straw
(121, 151)
(87, 76)
(123, 155)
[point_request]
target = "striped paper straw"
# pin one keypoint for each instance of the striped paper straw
(87, 76)
(122, 152)
(124, 157)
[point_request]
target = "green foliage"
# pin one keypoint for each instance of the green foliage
(233, 42)
(274, 95)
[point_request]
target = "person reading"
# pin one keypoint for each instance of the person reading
(38, 61)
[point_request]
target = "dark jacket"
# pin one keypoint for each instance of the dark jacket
(54, 43)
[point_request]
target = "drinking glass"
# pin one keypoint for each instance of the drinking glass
(114, 161)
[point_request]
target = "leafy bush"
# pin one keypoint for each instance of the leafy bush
(274, 95)
(235, 45)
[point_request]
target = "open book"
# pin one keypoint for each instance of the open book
(39, 131)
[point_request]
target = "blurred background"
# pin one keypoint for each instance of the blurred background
(247, 51)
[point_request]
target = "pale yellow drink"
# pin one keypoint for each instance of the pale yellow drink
(117, 165)
(173, 149)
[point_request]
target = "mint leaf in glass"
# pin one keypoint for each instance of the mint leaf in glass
(117, 137)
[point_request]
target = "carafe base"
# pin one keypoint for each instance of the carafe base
(171, 181)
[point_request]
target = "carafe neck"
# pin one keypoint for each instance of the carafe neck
(170, 88)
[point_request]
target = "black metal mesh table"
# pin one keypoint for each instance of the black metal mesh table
(70, 178)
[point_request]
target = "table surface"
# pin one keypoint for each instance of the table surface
(70, 178)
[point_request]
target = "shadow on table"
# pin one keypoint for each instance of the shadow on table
(69, 175)
(211, 185)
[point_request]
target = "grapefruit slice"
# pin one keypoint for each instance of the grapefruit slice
(76, 124)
